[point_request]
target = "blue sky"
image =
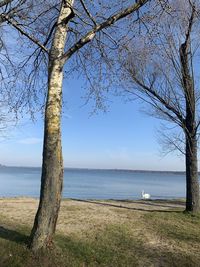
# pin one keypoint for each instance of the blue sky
(122, 138)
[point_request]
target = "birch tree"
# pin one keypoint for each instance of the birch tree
(52, 168)
(61, 36)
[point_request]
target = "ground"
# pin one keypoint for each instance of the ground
(103, 233)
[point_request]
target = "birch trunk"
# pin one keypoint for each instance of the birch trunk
(52, 167)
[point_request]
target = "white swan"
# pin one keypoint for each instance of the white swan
(145, 195)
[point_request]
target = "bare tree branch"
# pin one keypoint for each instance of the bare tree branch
(30, 37)
(108, 22)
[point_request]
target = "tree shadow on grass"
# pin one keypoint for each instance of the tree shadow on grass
(158, 203)
(13, 236)
(173, 209)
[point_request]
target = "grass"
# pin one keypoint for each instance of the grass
(95, 234)
(111, 247)
(181, 234)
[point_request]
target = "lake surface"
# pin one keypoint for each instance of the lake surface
(95, 184)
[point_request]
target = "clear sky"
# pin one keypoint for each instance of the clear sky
(122, 138)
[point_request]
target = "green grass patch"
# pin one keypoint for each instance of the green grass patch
(179, 226)
(181, 231)
(113, 246)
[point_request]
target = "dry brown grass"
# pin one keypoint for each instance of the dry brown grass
(114, 233)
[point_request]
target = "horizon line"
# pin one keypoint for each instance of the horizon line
(103, 169)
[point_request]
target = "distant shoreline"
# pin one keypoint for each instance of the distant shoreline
(97, 169)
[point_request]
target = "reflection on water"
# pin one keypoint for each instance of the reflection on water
(95, 184)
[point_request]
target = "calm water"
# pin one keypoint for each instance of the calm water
(99, 184)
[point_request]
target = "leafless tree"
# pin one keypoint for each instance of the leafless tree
(52, 170)
(161, 68)
(57, 37)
